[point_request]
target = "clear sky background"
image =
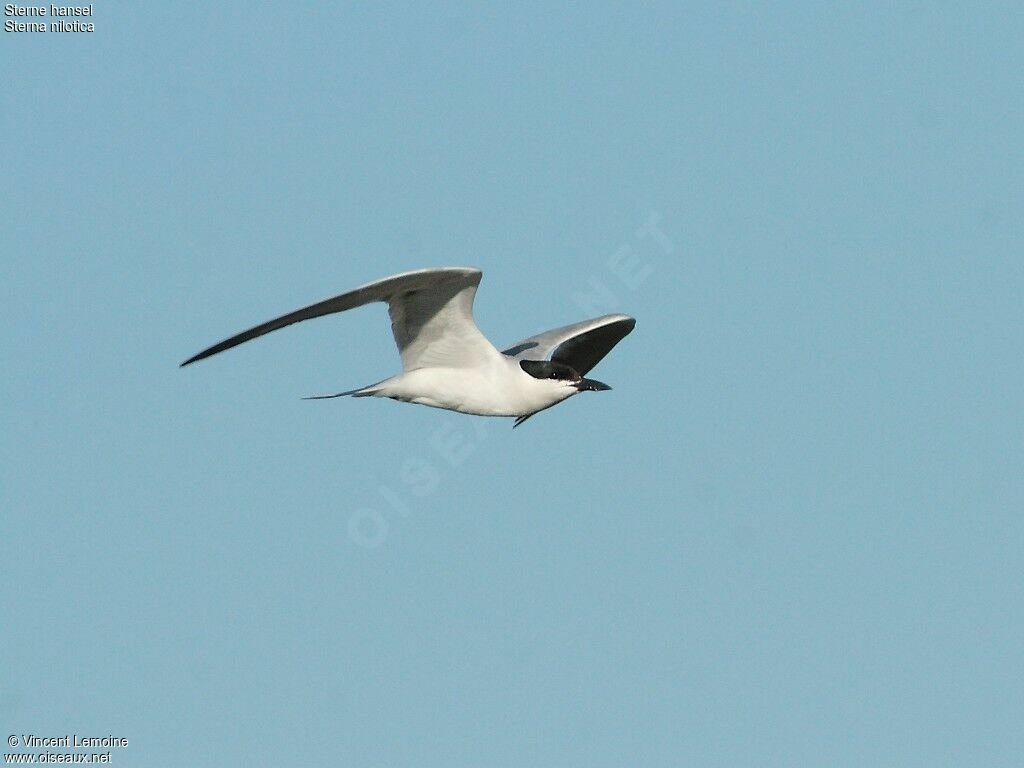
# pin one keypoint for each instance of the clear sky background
(791, 535)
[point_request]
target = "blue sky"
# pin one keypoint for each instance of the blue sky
(791, 535)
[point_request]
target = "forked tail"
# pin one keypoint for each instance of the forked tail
(368, 391)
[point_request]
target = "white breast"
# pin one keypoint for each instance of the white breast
(501, 389)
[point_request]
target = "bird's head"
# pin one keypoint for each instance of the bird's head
(562, 376)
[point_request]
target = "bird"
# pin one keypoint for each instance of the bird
(447, 362)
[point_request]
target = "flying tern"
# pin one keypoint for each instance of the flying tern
(448, 363)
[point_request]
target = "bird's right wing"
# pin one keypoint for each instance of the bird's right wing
(580, 346)
(431, 317)
(432, 321)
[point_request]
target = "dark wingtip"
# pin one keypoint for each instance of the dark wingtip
(194, 358)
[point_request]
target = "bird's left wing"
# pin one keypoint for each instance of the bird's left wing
(580, 346)
(424, 304)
